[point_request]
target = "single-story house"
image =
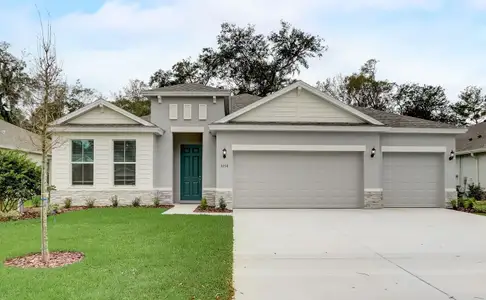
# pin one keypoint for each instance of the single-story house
(471, 156)
(296, 148)
(15, 138)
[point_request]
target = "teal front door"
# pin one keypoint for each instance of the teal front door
(191, 172)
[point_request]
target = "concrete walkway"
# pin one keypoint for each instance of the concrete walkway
(188, 209)
(433, 254)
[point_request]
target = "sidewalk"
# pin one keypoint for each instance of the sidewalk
(188, 209)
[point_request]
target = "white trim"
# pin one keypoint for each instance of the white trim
(265, 127)
(311, 89)
(479, 150)
(187, 111)
(107, 129)
(173, 111)
(203, 111)
(306, 148)
(428, 130)
(414, 149)
(451, 190)
(373, 190)
(224, 190)
(164, 189)
(100, 103)
(222, 93)
(187, 128)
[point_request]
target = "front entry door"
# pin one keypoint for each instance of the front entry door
(191, 172)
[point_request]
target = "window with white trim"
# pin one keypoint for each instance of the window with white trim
(187, 111)
(203, 111)
(82, 162)
(124, 160)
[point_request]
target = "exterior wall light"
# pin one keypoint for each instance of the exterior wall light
(224, 152)
(451, 156)
(373, 152)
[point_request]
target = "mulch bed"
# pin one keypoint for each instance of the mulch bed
(211, 209)
(56, 259)
(35, 212)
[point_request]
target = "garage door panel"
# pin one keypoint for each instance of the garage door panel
(412, 179)
(298, 180)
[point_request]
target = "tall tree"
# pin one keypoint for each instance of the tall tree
(13, 82)
(471, 107)
(46, 92)
(361, 89)
(423, 101)
(248, 62)
(132, 100)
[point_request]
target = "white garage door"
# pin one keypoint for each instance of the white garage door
(413, 179)
(298, 180)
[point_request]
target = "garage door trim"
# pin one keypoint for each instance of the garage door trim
(414, 149)
(315, 148)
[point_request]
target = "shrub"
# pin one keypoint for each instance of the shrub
(222, 203)
(11, 215)
(90, 202)
(53, 208)
(479, 207)
(36, 201)
(114, 200)
(136, 201)
(460, 191)
(475, 191)
(468, 203)
(19, 179)
(67, 202)
(204, 204)
(156, 200)
(454, 204)
(460, 203)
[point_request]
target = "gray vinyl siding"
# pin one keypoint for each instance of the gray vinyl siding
(275, 179)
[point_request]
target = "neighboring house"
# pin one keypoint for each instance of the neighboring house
(296, 148)
(15, 138)
(471, 156)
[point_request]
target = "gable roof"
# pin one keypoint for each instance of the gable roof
(16, 138)
(194, 89)
(474, 140)
(242, 100)
(311, 89)
(99, 103)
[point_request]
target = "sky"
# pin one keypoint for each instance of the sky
(107, 43)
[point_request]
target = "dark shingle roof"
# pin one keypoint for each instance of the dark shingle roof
(473, 139)
(396, 120)
(188, 87)
(242, 100)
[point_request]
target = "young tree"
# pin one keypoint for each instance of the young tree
(47, 91)
(471, 107)
(247, 62)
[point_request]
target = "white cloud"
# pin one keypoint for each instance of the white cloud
(124, 40)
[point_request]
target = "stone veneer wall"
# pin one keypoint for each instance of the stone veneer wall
(103, 198)
(227, 196)
(450, 195)
(210, 195)
(373, 200)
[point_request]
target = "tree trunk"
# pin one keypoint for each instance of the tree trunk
(45, 203)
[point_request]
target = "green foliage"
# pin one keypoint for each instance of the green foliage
(132, 100)
(90, 202)
(114, 200)
(475, 191)
(222, 203)
(53, 208)
(247, 61)
(67, 202)
(479, 206)
(471, 107)
(156, 200)
(469, 203)
(204, 204)
(453, 204)
(460, 202)
(19, 179)
(36, 201)
(136, 202)
(10, 215)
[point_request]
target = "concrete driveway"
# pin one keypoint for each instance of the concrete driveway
(359, 254)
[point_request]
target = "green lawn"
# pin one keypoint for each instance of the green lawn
(131, 253)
